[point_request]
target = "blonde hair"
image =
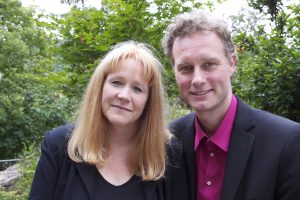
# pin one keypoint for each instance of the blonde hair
(88, 142)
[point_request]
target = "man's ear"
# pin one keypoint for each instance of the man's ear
(172, 64)
(233, 63)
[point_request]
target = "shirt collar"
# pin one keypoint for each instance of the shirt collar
(221, 137)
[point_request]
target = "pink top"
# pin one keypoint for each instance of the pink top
(211, 155)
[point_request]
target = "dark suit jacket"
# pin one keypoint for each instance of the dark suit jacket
(58, 177)
(263, 161)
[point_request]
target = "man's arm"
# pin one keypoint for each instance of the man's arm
(288, 183)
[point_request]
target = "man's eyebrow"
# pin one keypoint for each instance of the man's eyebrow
(183, 64)
(210, 58)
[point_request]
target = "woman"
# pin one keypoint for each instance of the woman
(117, 147)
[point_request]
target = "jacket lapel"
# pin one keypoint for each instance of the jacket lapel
(88, 175)
(188, 137)
(240, 147)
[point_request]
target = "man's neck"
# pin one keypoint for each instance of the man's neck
(211, 120)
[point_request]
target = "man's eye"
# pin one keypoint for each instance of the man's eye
(184, 68)
(209, 64)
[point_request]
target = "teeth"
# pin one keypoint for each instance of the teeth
(202, 92)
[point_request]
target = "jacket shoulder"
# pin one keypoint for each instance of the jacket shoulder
(265, 126)
(275, 128)
(264, 122)
(57, 138)
(267, 117)
(174, 151)
(178, 125)
(176, 180)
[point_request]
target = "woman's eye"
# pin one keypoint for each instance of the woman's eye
(116, 83)
(137, 89)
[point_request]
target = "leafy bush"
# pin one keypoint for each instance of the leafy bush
(31, 100)
(268, 75)
(177, 108)
(21, 187)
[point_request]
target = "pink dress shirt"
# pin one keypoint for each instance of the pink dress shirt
(211, 155)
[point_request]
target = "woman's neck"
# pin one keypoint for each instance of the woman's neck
(117, 171)
(120, 136)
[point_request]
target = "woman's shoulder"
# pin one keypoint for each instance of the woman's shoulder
(58, 137)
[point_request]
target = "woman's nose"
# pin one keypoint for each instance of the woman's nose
(124, 93)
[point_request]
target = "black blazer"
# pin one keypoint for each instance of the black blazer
(58, 177)
(263, 161)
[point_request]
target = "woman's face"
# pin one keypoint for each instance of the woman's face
(125, 93)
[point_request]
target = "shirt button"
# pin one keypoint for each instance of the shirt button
(211, 155)
(208, 183)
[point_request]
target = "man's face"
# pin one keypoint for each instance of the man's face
(203, 72)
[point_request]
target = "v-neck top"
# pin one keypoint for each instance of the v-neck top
(132, 189)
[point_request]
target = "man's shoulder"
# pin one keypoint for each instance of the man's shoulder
(262, 116)
(174, 150)
(273, 121)
(182, 121)
(266, 122)
(181, 124)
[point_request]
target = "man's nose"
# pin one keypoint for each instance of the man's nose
(198, 77)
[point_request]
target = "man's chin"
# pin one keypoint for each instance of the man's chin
(200, 107)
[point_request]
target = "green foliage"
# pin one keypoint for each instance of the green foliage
(72, 1)
(21, 187)
(10, 195)
(273, 6)
(269, 70)
(176, 108)
(31, 101)
(87, 34)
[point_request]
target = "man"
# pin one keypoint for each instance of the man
(233, 152)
